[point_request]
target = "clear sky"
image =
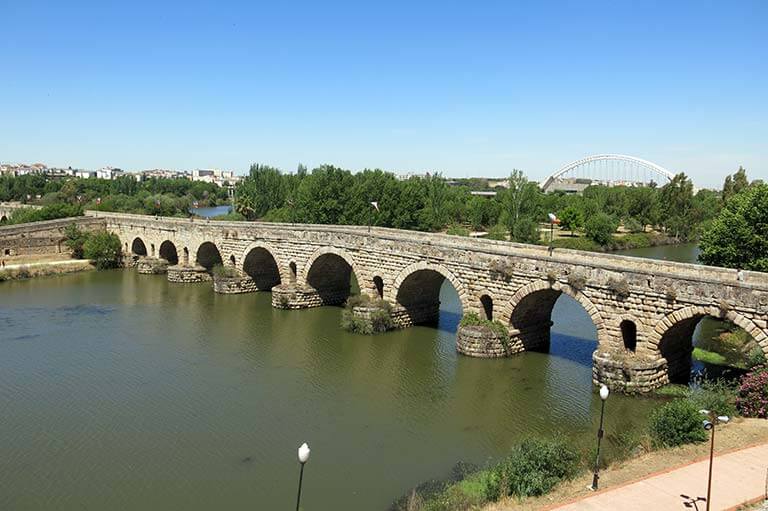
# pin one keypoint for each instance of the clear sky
(471, 88)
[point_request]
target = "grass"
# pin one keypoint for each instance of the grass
(709, 357)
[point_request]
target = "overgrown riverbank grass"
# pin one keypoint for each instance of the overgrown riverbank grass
(616, 242)
(28, 272)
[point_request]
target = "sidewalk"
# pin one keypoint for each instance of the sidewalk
(737, 477)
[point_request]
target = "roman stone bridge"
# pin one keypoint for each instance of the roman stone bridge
(644, 311)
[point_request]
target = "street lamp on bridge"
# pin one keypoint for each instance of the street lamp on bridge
(603, 397)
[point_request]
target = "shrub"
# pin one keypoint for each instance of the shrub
(497, 232)
(577, 281)
(670, 293)
(497, 327)
(75, 239)
(533, 468)
(23, 273)
(676, 423)
(457, 230)
(633, 225)
(752, 399)
(600, 228)
(718, 396)
(52, 212)
(755, 357)
(619, 287)
(577, 244)
(224, 272)
(103, 248)
(379, 319)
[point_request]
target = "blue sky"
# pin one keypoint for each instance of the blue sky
(474, 88)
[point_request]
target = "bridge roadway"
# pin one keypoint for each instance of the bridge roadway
(644, 310)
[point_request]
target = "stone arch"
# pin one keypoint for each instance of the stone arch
(284, 275)
(292, 273)
(260, 264)
(329, 271)
(3, 219)
(529, 313)
(416, 291)
(185, 253)
(672, 339)
(208, 255)
(138, 247)
(168, 252)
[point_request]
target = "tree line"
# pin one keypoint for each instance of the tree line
(331, 195)
(156, 196)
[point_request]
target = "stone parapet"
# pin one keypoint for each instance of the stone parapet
(234, 285)
(188, 274)
(151, 266)
(628, 373)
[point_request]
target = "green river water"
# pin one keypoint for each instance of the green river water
(124, 392)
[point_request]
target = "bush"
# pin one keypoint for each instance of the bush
(717, 396)
(225, 272)
(577, 244)
(600, 228)
(497, 232)
(577, 281)
(75, 239)
(755, 357)
(497, 327)
(103, 248)
(633, 225)
(52, 212)
(676, 423)
(379, 320)
(752, 399)
(533, 468)
(457, 230)
(619, 287)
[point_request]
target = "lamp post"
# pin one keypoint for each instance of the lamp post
(603, 397)
(375, 205)
(552, 221)
(303, 457)
(709, 425)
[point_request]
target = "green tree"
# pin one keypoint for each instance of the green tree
(600, 228)
(735, 184)
(571, 218)
(103, 248)
(519, 205)
(738, 237)
(676, 198)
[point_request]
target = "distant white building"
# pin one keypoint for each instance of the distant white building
(109, 173)
(215, 176)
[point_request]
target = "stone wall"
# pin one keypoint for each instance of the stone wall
(406, 268)
(151, 266)
(42, 238)
(483, 342)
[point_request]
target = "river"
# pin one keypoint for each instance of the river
(124, 392)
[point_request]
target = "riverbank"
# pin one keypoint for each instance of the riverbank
(740, 433)
(33, 269)
(629, 241)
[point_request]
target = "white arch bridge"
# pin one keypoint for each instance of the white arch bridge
(610, 169)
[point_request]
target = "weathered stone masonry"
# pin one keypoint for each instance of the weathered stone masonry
(644, 310)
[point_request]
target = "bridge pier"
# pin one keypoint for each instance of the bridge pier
(293, 296)
(628, 374)
(151, 266)
(187, 274)
(415, 314)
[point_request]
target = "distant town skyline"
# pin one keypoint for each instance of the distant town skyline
(466, 91)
